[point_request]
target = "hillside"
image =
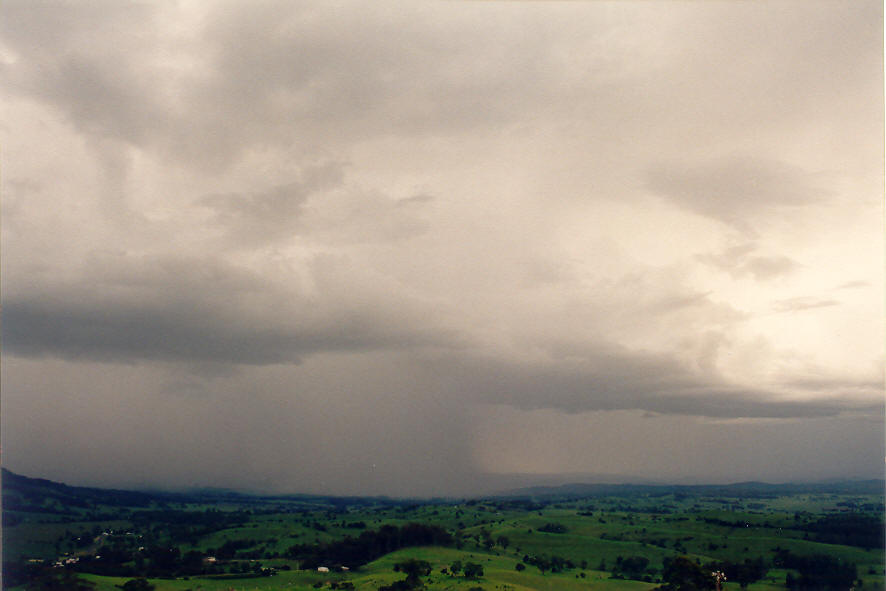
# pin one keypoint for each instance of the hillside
(607, 537)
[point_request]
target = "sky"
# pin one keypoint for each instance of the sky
(441, 248)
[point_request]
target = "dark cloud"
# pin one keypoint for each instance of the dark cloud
(667, 447)
(195, 290)
(737, 191)
(838, 386)
(162, 318)
(613, 378)
(203, 311)
(339, 424)
(180, 333)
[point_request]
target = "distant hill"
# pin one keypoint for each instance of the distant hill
(23, 494)
(742, 489)
(38, 495)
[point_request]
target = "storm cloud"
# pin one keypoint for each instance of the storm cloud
(334, 247)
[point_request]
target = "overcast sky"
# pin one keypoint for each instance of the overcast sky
(419, 248)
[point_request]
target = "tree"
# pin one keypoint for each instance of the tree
(166, 559)
(473, 571)
(744, 573)
(414, 570)
(818, 571)
(633, 566)
(64, 581)
(553, 528)
(682, 574)
(455, 567)
(137, 585)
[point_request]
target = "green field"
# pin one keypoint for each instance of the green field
(609, 539)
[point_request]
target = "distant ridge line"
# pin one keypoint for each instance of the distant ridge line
(13, 480)
(850, 486)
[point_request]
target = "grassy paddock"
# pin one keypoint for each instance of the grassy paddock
(594, 533)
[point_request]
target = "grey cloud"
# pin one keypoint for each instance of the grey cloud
(677, 302)
(202, 311)
(388, 78)
(137, 333)
(737, 191)
(280, 75)
(193, 313)
(339, 424)
(802, 303)
(662, 299)
(256, 218)
(320, 208)
(670, 447)
(739, 261)
(93, 92)
(188, 334)
(318, 77)
(91, 61)
(416, 199)
(839, 386)
(365, 216)
(614, 378)
(711, 343)
(463, 259)
(45, 27)
(763, 268)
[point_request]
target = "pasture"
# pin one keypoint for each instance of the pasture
(618, 539)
